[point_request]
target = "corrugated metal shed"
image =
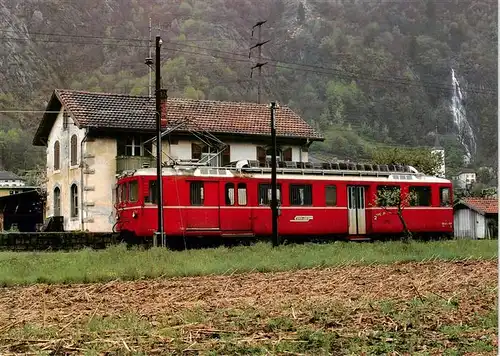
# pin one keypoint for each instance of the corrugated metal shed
(476, 218)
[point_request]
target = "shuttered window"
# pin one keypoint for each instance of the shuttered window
(196, 193)
(195, 151)
(287, 154)
(300, 194)
(57, 156)
(74, 150)
(226, 156)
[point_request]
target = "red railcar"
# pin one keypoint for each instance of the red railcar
(335, 200)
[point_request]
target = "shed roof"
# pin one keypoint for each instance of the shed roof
(480, 205)
(7, 175)
(137, 113)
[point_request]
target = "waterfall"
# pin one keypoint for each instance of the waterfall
(465, 134)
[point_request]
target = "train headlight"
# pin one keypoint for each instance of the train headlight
(134, 215)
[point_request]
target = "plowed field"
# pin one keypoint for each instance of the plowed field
(409, 308)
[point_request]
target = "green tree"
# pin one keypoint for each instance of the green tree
(422, 159)
(393, 201)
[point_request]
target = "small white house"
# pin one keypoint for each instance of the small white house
(476, 218)
(465, 178)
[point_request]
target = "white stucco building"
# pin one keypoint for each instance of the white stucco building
(92, 137)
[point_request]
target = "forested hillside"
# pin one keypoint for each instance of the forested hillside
(366, 73)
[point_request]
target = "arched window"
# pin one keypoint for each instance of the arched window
(57, 201)
(74, 201)
(57, 155)
(74, 150)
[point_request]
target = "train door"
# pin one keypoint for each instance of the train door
(356, 204)
(202, 213)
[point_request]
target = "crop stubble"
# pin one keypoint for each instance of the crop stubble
(255, 309)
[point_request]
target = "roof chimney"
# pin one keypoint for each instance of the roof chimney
(163, 99)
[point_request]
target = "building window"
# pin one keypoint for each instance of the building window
(134, 146)
(265, 194)
(74, 150)
(421, 196)
(300, 194)
(196, 193)
(133, 191)
(388, 195)
(57, 201)
(74, 201)
(264, 155)
(445, 196)
(242, 194)
(230, 194)
(195, 151)
(152, 196)
(331, 195)
(57, 156)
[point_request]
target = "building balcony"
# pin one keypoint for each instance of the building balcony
(129, 163)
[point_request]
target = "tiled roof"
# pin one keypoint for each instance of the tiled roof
(117, 111)
(481, 205)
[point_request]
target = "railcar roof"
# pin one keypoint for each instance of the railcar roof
(285, 174)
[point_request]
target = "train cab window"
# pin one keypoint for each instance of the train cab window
(300, 194)
(196, 193)
(388, 195)
(242, 194)
(331, 195)
(152, 196)
(229, 193)
(265, 194)
(420, 196)
(444, 196)
(123, 192)
(133, 191)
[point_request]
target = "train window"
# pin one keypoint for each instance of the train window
(242, 194)
(196, 193)
(388, 195)
(123, 192)
(331, 195)
(229, 193)
(265, 194)
(420, 196)
(445, 196)
(133, 191)
(300, 194)
(152, 196)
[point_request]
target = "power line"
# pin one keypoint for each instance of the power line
(299, 66)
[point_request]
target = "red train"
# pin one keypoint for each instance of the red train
(320, 200)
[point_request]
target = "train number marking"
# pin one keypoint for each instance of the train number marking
(302, 218)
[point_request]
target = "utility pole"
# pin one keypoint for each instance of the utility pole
(274, 185)
(150, 56)
(159, 183)
(259, 64)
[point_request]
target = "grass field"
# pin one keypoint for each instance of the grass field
(415, 308)
(118, 262)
